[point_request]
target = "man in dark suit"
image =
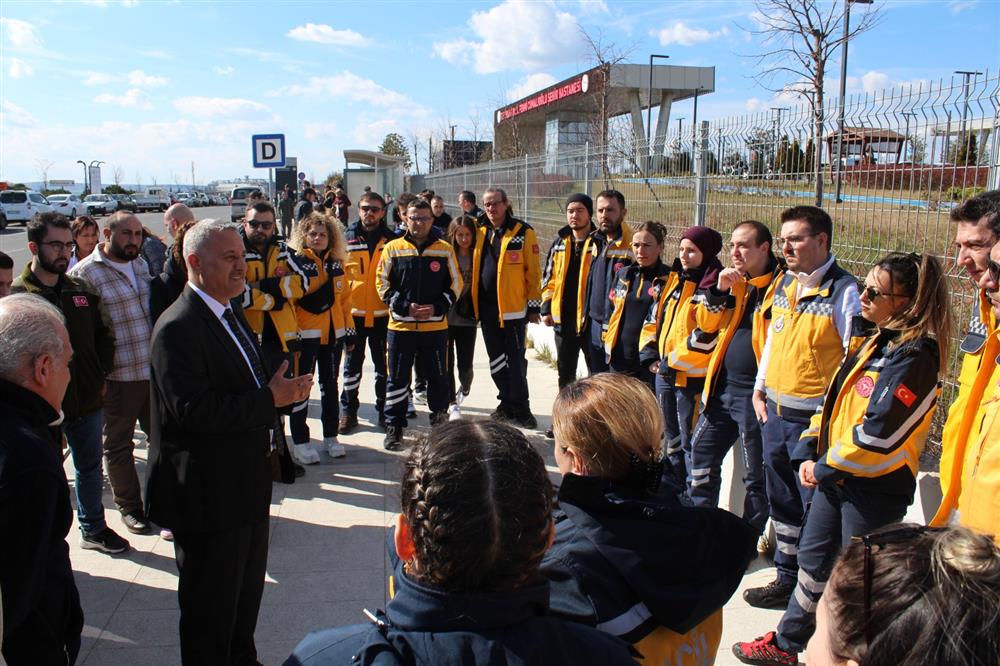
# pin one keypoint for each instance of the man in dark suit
(209, 477)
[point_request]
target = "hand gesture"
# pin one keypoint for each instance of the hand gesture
(288, 391)
(727, 278)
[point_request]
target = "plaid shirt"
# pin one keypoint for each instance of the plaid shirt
(128, 309)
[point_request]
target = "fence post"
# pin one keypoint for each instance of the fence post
(700, 170)
(586, 168)
(489, 177)
(465, 176)
(526, 187)
(994, 163)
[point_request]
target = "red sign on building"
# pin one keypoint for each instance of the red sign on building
(575, 87)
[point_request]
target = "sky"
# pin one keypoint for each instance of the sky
(152, 87)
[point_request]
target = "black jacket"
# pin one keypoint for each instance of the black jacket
(166, 287)
(90, 333)
(616, 548)
(422, 625)
(42, 617)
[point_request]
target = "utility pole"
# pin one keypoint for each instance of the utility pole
(192, 176)
(451, 150)
(774, 133)
(843, 91)
(965, 106)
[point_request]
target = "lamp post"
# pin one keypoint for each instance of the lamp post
(85, 187)
(649, 109)
(965, 106)
(906, 135)
(843, 88)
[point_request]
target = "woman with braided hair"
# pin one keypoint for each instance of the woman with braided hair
(627, 557)
(475, 523)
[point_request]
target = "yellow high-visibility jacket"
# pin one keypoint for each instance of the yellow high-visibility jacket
(711, 319)
(979, 502)
(360, 269)
(519, 292)
(426, 274)
(633, 277)
(958, 427)
(554, 276)
(274, 282)
(324, 312)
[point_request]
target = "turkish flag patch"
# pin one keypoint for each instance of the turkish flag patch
(80, 301)
(905, 395)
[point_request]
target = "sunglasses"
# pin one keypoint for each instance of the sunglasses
(881, 539)
(255, 224)
(994, 268)
(872, 293)
(370, 209)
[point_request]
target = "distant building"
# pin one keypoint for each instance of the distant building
(453, 154)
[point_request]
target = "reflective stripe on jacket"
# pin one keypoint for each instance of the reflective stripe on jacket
(519, 290)
(806, 347)
(426, 275)
(622, 285)
(554, 276)
(274, 281)
(326, 307)
(360, 269)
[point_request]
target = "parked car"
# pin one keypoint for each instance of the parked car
(125, 202)
(100, 204)
(238, 201)
(23, 205)
(67, 204)
(3, 218)
(186, 198)
(155, 198)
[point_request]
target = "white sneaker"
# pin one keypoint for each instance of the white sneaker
(420, 397)
(454, 412)
(334, 449)
(304, 454)
(459, 397)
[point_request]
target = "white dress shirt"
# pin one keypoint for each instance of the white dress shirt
(219, 309)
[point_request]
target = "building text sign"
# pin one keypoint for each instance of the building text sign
(574, 87)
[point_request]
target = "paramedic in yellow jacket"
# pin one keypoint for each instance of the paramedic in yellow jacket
(861, 451)
(977, 232)
(326, 327)
(506, 295)
(612, 252)
(738, 306)
(564, 285)
(975, 497)
(814, 304)
(678, 352)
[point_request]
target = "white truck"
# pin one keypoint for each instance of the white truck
(154, 198)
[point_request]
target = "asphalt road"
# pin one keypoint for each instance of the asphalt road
(14, 242)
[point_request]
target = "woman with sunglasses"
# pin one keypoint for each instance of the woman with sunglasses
(861, 451)
(911, 595)
(627, 557)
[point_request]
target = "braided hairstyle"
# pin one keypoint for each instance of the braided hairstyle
(922, 278)
(478, 503)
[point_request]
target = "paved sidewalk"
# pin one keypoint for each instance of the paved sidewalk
(327, 554)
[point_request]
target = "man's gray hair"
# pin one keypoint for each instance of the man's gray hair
(199, 234)
(29, 327)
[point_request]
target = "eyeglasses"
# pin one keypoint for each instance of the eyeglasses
(370, 209)
(872, 293)
(795, 240)
(881, 539)
(422, 218)
(59, 247)
(256, 224)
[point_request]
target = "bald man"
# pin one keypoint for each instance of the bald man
(177, 216)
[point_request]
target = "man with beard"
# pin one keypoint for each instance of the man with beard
(122, 278)
(273, 281)
(613, 252)
(365, 239)
(50, 240)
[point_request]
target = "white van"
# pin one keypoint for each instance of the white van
(238, 201)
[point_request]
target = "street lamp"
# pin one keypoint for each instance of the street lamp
(86, 190)
(965, 107)
(649, 109)
(843, 89)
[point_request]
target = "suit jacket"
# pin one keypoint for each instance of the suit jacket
(209, 466)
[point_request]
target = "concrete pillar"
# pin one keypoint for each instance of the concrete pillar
(638, 128)
(662, 123)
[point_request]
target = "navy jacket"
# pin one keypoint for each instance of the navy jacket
(633, 562)
(422, 625)
(42, 617)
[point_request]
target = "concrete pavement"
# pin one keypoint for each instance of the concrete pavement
(327, 553)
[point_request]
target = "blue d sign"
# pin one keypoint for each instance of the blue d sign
(268, 150)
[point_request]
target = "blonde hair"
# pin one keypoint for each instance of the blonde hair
(605, 419)
(337, 248)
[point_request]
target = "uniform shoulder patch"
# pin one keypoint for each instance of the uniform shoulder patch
(905, 395)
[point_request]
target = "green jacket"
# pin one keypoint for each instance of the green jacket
(90, 333)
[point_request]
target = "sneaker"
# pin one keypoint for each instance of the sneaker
(437, 418)
(459, 397)
(136, 522)
(420, 397)
(304, 454)
(764, 650)
(501, 413)
(393, 438)
(106, 541)
(298, 470)
(334, 449)
(411, 409)
(549, 434)
(348, 422)
(764, 546)
(774, 595)
(525, 420)
(455, 412)
(167, 535)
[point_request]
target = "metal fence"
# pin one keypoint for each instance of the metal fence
(907, 156)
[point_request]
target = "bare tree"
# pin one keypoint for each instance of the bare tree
(138, 181)
(797, 39)
(118, 175)
(416, 142)
(42, 167)
(603, 56)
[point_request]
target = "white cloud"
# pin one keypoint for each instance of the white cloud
(133, 98)
(875, 82)
(19, 69)
(372, 133)
(20, 34)
(351, 86)
(12, 115)
(228, 70)
(529, 84)
(517, 34)
(321, 131)
(95, 3)
(130, 3)
(681, 34)
(156, 54)
(98, 79)
(590, 7)
(959, 6)
(756, 105)
(324, 34)
(139, 78)
(222, 107)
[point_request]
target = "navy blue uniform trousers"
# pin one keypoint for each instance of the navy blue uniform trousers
(376, 340)
(431, 347)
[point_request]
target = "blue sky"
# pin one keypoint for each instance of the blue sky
(149, 87)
